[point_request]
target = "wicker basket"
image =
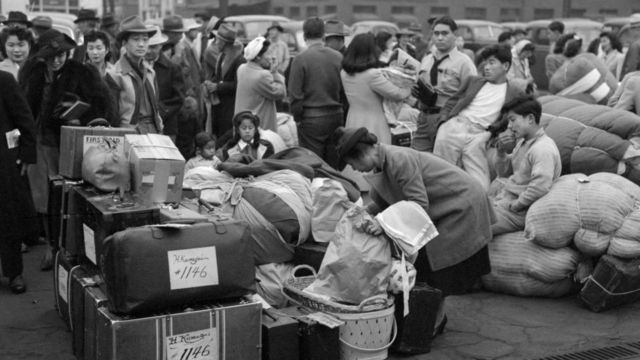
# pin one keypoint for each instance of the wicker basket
(293, 288)
(367, 335)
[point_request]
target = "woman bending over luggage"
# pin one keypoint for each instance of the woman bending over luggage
(246, 139)
(459, 207)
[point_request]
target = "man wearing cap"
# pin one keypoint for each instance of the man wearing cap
(225, 81)
(334, 33)
(314, 92)
(404, 37)
(170, 83)
(17, 19)
(133, 81)
(41, 24)
(86, 21)
(278, 50)
(109, 26)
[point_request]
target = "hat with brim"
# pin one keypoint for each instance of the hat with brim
(405, 32)
(52, 42)
(42, 22)
(346, 139)
(275, 25)
(158, 38)
(133, 25)
(108, 20)
(191, 24)
(226, 33)
(17, 17)
(173, 23)
(335, 28)
(86, 15)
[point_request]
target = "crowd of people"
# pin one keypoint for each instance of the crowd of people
(479, 157)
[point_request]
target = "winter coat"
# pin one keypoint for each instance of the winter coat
(171, 92)
(456, 203)
(82, 80)
(17, 213)
(226, 78)
(258, 90)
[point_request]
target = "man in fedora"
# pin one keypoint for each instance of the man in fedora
(223, 86)
(85, 22)
(404, 42)
(171, 92)
(17, 19)
(334, 33)
(133, 81)
(40, 24)
(109, 26)
(278, 50)
(315, 92)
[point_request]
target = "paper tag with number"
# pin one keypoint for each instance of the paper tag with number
(193, 267)
(196, 345)
(63, 280)
(89, 243)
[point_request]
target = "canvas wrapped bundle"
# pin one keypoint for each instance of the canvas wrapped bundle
(276, 205)
(584, 77)
(521, 267)
(598, 213)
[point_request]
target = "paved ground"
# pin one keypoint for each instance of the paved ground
(481, 325)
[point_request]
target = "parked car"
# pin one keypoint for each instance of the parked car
(629, 33)
(614, 25)
(538, 33)
(62, 22)
(374, 26)
(478, 33)
(512, 25)
(251, 26)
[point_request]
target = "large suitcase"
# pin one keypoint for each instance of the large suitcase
(104, 214)
(153, 268)
(57, 208)
(279, 336)
(82, 278)
(317, 341)
(94, 300)
(64, 267)
(226, 332)
(614, 282)
(415, 331)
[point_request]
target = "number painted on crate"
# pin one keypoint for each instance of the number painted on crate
(197, 345)
(193, 267)
(193, 272)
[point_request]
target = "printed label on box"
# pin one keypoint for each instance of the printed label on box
(89, 243)
(107, 142)
(63, 280)
(193, 267)
(196, 345)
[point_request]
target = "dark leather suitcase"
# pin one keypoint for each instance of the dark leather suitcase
(104, 214)
(154, 268)
(614, 282)
(415, 331)
(279, 336)
(64, 267)
(82, 277)
(317, 342)
(57, 208)
(94, 299)
(310, 253)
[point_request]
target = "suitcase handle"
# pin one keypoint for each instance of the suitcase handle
(303, 266)
(98, 122)
(393, 338)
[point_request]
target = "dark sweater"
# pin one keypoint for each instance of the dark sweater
(314, 82)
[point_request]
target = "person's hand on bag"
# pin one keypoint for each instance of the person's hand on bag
(373, 227)
(211, 86)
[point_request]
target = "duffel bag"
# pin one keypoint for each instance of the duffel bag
(155, 268)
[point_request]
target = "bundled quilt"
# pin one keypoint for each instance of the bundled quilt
(584, 76)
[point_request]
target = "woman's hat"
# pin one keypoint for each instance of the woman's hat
(158, 38)
(53, 42)
(133, 25)
(226, 33)
(17, 17)
(253, 48)
(346, 139)
(86, 15)
(275, 25)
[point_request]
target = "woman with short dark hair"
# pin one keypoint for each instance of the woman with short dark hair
(15, 46)
(98, 53)
(611, 53)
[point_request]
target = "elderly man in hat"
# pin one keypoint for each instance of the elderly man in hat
(109, 26)
(171, 92)
(334, 33)
(315, 92)
(222, 88)
(404, 42)
(17, 19)
(278, 49)
(133, 81)
(86, 22)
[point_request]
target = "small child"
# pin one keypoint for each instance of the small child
(205, 153)
(246, 139)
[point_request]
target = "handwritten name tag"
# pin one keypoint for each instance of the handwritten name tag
(196, 345)
(193, 267)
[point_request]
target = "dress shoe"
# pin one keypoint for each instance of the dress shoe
(46, 263)
(17, 285)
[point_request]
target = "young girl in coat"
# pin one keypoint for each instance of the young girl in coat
(246, 139)
(205, 153)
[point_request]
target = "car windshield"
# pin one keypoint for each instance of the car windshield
(486, 32)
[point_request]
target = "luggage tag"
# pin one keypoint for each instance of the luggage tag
(325, 319)
(13, 138)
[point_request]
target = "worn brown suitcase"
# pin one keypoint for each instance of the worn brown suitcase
(94, 299)
(104, 214)
(415, 331)
(153, 268)
(279, 336)
(614, 282)
(317, 342)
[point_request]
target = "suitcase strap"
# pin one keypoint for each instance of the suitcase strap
(592, 279)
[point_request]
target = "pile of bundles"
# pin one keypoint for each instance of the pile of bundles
(593, 138)
(582, 221)
(584, 77)
(138, 276)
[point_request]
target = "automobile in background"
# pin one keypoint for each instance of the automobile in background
(294, 37)
(373, 26)
(629, 33)
(513, 25)
(62, 22)
(251, 26)
(538, 33)
(478, 33)
(614, 25)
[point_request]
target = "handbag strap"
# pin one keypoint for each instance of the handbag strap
(610, 292)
